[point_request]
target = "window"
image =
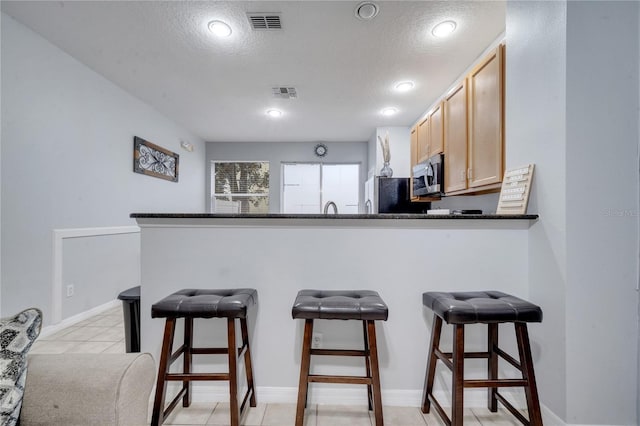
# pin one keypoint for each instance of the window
(240, 187)
(308, 187)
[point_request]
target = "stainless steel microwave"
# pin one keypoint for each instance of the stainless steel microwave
(428, 176)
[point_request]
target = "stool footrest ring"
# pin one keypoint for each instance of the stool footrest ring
(440, 410)
(511, 360)
(245, 399)
(357, 380)
(468, 354)
(339, 352)
(197, 376)
(512, 409)
(177, 353)
(494, 383)
(445, 358)
(174, 402)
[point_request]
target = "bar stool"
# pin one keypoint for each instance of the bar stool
(364, 305)
(189, 304)
(491, 308)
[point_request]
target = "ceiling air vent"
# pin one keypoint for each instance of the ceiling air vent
(265, 21)
(285, 92)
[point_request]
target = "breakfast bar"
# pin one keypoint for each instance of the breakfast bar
(399, 256)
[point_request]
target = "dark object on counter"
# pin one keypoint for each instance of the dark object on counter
(393, 197)
(230, 304)
(362, 305)
(131, 309)
(466, 212)
(481, 307)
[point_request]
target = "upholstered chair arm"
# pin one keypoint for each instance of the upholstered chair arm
(87, 389)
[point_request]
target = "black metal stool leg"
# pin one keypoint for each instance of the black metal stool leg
(305, 363)
(157, 416)
(492, 364)
(436, 329)
(531, 389)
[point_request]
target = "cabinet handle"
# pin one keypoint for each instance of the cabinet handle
(469, 174)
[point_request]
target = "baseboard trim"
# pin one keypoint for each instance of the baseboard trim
(51, 329)
(356, 396)
(340, 396)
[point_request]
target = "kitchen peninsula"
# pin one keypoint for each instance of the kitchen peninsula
(400, 256)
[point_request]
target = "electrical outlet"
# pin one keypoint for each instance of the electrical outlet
(316, 341)
(70, 290)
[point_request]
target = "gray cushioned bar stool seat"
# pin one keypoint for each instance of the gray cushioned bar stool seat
(231, 304)
(481, 307)
(363, 305)
(206, 303)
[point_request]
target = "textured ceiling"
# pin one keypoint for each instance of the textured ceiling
(343, 68)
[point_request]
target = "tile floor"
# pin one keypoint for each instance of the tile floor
(104, 333)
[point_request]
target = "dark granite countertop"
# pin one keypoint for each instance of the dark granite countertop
(332, 216)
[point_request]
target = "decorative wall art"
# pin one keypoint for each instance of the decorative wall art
(150, 159)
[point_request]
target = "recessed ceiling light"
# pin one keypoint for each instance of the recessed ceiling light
(274, 113)
(367, 10)
(389, 111)
(443, 29)
(404, 86)
(219, 28)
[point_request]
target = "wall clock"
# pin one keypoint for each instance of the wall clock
(320, 150)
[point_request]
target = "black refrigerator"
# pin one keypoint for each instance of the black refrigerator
(391, 195)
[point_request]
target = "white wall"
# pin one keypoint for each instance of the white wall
(67, 161)
(99, 267)
(602, 230)
(535, 87)
(285, 256)
(581, 86)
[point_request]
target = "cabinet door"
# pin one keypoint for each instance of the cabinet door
(436, 143)
(414, 157)
(414, 146)
(486, 121)
(455, 136)
(423, 140)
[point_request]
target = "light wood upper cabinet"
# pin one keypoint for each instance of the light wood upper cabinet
(436, 137)
(414, 156)
(468, 126)
(486, 121)
(455, 139)
(423, 140)
(414, 146)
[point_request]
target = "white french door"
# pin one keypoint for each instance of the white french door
(307, 187)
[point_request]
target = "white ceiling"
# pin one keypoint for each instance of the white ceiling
(343, 68)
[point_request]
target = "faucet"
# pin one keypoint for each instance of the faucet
(367, 206)
(330, 203)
